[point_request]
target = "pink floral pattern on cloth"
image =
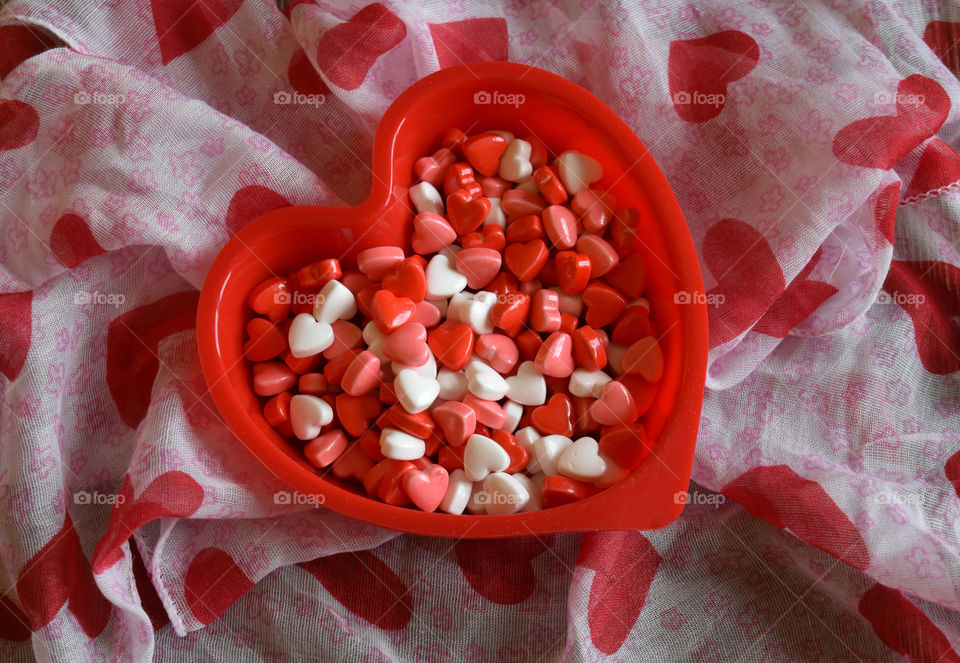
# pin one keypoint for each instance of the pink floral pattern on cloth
(812, 148)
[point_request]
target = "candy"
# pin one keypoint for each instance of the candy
(308, 336)
(456, 377)
(308, 414)
(481, 456)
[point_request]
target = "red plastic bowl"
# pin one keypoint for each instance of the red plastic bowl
(564, 116)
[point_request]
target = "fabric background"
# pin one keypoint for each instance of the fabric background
(136, 137)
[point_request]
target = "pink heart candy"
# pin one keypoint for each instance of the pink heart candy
(379, 261)
(560, 225)
(362, 375)
(324, 449)
(407, 345)
(426, 314)
(431, 232)
(479, 265)
(615, 405)
(555, 356)
(456, 420)
(272, 377)
(426, 488)
(498, 350)
(489, 413)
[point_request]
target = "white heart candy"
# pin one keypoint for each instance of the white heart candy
(528, 386)
(453, 384)
(581, 460)
(308, 336)
(515, 162)
(415, 392)
(426, 198)
(400, 446)
(442, 279)
(374, 339)
(533, 486)
(428, 369)
(334, 302)
(495, 216)
(577, 171)
(477, 505)
(504, 494)
(484, 382)
(587, 384)
(459, 490)
(569, 304)
(547, 451)
(481, 455)
(514, 412)
(308, 414)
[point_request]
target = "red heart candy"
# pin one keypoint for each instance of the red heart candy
(407, 280)
(604, 304)
(588, 349)
(528, 343)
(277, 413)
(452, 344)
(519, 457)
(595, 209)
(549, 185)
(602, 256)
(272, 377)
(572, 271)
(451, 457)
(317, 274)
(503, 283)
(633, 325)
(389, 311)
(479, 265)
(545, 311)
(627, 445)
(623, 230)
(466, 213)
(271, 298)
(352, 464)
(615, 406)
(385, 481)
(484, 151)
(554, 418)
(524, 229)
(407, 345)
(419, 425)
(491, 237)
(370, 443)
(644, 358)
(362, 375)
(629, 276)
(431, 232)
(456, 420)
(526, 260)
(510, 312)
(265, 341)
(559, 490)
(355, 412)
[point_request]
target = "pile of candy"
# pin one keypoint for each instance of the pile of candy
(457, 377)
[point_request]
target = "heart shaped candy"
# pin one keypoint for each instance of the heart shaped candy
(431, 232)
(527, 387)
(456, 420)
(582, 461)
(408, 345)
(308, 414)
(415, 392)
(308, 336)
(459, 489)
(481, 456)
(614, 406)
(426, 488)
(504, 494)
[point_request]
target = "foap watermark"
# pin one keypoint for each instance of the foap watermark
(496, 497)
(697, 98)
(97, 498)
(285, 98)
(497, 98)
(883, 98)
(93, 98)
(685, 497)
(285, 498)
(115, 299)
(901, 298)
(296, 298)
(886, 499)
(709, 299)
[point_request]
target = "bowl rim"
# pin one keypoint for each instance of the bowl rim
(615, 511)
